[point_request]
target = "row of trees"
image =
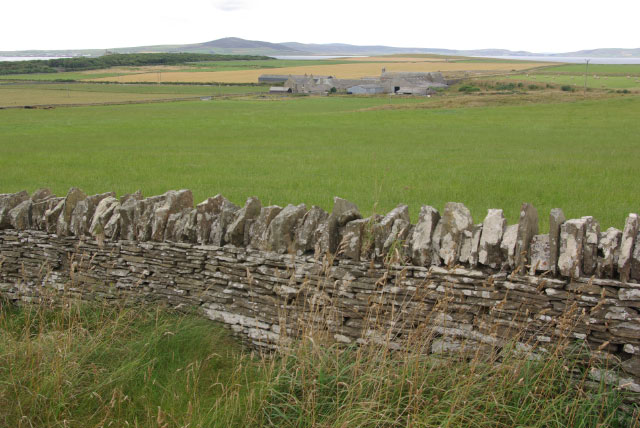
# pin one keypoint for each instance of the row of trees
(113, 60)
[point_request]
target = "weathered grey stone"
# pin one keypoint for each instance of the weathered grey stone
(40, 208)
(20, 216)
(283, 227)
(175, 229)
(351, 245)
(51, 216)
(103, 213)
(527, 229)
(435, 242)
(74, 196)
(344, 211)
(205, 213)
(489, 252)
(136, 196)
(82, 215)
(235, 234)
(125, 215)
(475, 245)
(465, 249)
(329, 231)
(470, 245)
(143, 216)
(41, 194)
(307, 234)
(9, 201)
(571, 248)
(556, 219)
(421, 243)
(620, 313)
(112, 228)
(382, 229)
(608, 250)
(221, 222)
(174, 202)
(456, 218)
(629, 235)
(635, 260)
(368, 240)
(396, 246)
(632, 366)
(190, 226)
(259, 230)
(508, 246)
(539, 251)
(590, 251)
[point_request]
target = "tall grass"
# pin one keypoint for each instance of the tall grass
(98, 366)
(95, 366)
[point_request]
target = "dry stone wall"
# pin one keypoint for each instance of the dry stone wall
(265, 271)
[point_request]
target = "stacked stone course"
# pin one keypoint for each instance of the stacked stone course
(264, 270)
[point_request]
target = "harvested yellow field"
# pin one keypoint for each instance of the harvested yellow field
(393, 59)
(345, 71)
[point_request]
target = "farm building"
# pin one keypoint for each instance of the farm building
(388, 83)
(366, 89)
(394, 82)
(309, 84)
(279, 90)
(414, 90)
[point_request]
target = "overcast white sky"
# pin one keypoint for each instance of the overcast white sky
(540, 26)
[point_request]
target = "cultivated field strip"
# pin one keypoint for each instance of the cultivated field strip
(355, 70)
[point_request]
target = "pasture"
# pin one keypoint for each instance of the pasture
(604, 69)
(93, 93)
(593, 81)
(581, 156)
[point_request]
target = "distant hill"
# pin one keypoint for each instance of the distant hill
(344, 49)
(605, 53)
(238, 46)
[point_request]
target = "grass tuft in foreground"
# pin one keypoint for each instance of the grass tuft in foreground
(93, 366)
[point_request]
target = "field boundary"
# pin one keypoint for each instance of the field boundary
(112, 103)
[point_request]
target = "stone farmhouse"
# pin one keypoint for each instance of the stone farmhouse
(400, 83)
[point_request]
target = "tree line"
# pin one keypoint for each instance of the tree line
(114, 60)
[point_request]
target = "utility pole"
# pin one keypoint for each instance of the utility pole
(586, 71)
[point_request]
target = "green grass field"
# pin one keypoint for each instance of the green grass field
(52, 77)
(128, 88)
(580, 156)
(92, 93)
(608, 69)
(600, 82)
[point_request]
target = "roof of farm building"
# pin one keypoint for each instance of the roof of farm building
(267, 77)
(367, 86)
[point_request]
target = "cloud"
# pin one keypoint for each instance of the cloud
(230, 5)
